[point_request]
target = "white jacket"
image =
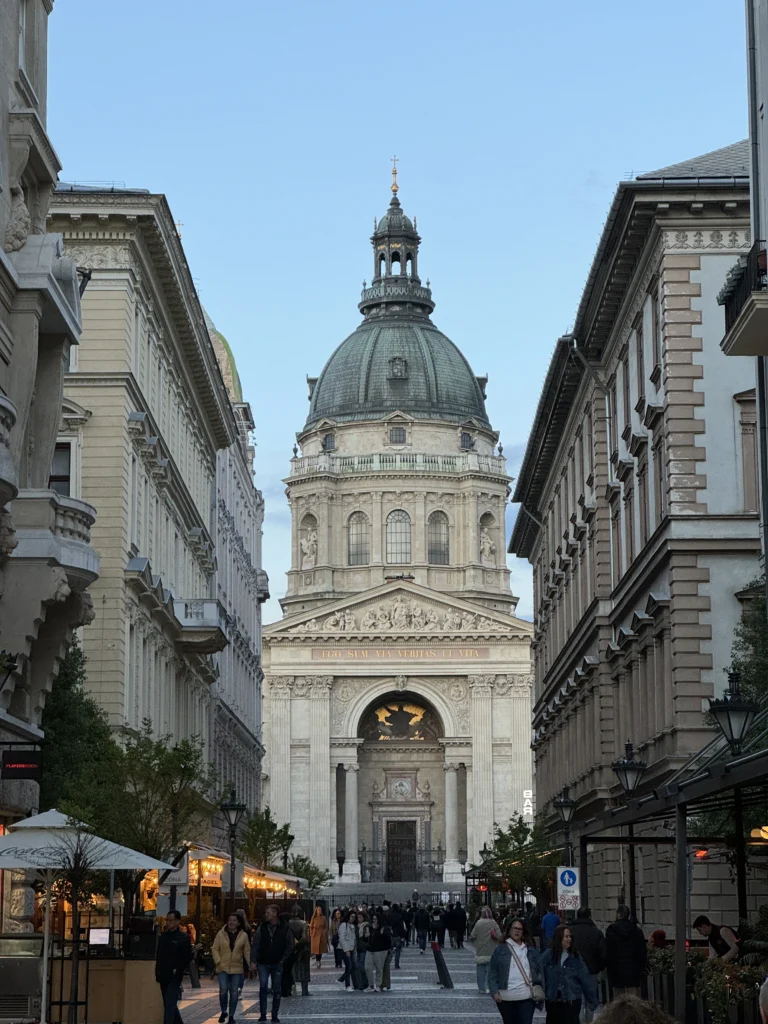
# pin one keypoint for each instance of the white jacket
(347, 937)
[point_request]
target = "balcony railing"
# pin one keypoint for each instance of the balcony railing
(749, 275)
(399, 462)
(203, 625)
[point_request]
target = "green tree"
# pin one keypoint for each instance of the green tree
(749, 653)
(524, 855)
(316, 877)
(81, 762)
(261, 839)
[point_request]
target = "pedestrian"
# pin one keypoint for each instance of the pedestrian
(632, 1010)
(336, 919)
(762, 1000)
(439, 921)
(230, 950)
(272, 945)
(297, 972)
(360, 976)
(243, 919)
(460, 924)
(549, 922)
(348, 946)
(566, 980)
(408, 913)
(421, 923)
(486, 935)
(532, 918)
(514, 976)
(318, 930)
(379, 945)
(174, 952)
(395, 922)
(626, 954)
(590, 942)
(723, 944)
(657, 939)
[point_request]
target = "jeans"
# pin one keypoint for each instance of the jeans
(482, 976)
(338, 956)
(267, 973)
(349, 967)
(422, 937)
(170, 991)
(398, 950)
(566, 1011)
(517, 1011)
(229, 988)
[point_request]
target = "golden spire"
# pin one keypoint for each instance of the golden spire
(395, 186)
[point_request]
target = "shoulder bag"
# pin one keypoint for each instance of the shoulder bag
(537, 992)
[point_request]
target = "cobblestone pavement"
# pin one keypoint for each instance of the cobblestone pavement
(415, 996)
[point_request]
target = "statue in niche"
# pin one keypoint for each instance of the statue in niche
(487, 548)
(309, 550)
(417, 616)
(369, 620)
(399, 613)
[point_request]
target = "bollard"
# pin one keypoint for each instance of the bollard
(443, 974)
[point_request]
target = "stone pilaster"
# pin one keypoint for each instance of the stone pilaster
(280, 771)
(451, 868)
(481, 717)
(351, 837)
(319, 760)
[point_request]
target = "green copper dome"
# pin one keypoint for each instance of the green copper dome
(396, 359)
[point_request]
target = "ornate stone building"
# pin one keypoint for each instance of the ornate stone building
(639, 510)
(46, 560)
(152, 435)
(397, 697)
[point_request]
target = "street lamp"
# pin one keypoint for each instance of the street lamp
(233, 812)
(566, 807)
(734, 715)
(629, 771)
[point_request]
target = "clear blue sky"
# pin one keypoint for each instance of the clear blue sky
(270, 127)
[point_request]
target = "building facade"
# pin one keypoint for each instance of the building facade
(639, 507)
(151, 435)
(397, 691)
(46, 558)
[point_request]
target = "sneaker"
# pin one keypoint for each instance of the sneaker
(222, 1018)
(262, 1020)
(348, 989)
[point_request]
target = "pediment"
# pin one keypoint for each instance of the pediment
(399, 609)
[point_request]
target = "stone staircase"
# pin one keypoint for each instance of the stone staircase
(343, 893)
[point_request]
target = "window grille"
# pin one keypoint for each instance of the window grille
(359, 542)
(398, 537)
(437, 539)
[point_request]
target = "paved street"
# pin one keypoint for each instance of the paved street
(415, 996)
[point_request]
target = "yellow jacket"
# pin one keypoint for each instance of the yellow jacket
(230, 961)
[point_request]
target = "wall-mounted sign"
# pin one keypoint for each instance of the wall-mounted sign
(568, 888)
(22, 764)
(180, 874)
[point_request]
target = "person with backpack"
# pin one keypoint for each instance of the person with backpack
(421, 922)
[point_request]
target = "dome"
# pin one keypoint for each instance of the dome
(397, 364)
(395, 220)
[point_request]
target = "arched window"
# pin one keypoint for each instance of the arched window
(409, 264)
(396, 263)
(398, 537)
(437, 539)
(382, 265)
(359, 542)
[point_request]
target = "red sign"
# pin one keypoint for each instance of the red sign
(22, 764)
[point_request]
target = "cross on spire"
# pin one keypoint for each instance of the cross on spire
(395, 186)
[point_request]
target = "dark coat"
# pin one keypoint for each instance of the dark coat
(174, 952)
(396, 923)
(627, 954)
(589, 943)
(422, 920)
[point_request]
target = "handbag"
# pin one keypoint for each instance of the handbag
(537, 992)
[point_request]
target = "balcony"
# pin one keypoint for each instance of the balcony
(55, 530)
(203, 625)
(398, 462)
(745, 297)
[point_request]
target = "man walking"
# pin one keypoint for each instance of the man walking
(174, 953)
(271, 947)
(396, 924)
(421, 922)
(589, 942)
(626, 954)
(549, 923)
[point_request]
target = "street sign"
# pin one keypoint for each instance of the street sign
(180, 874)
(568, 888)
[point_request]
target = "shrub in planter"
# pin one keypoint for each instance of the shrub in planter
(724, 985)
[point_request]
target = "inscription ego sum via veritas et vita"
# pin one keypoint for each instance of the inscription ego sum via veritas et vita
(400, 653)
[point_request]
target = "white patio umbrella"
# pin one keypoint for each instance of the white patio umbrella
(48, 842)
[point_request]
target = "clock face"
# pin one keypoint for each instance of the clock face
(402, 787)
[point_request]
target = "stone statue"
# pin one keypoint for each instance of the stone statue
(417, 616)
(467, 621)
(433, 622)
(382, 618)
(350, 622)
(452, 621)
(309, 550)
(399, 613)
(369, 621)
(487, 548)
(335, 622)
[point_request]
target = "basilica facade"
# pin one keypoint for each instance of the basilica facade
(397, 701)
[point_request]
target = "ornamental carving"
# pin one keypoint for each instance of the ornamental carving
(105, 257)
(481, 686)
(280, 686)
(320, 686)
(512, 684)
(403, 615)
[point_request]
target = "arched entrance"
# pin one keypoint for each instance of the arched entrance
(401, 790)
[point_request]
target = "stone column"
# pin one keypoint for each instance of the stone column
(451, 868)
(351, 838)
(280, 753)
(481, 717)
(319, 770)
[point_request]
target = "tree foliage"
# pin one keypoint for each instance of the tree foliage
(749, 653)
(524, 855)
(315, 876)
(261, 839)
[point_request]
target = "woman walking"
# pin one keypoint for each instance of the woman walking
(296, 972)
(379, 945)
(514, 976)
(486, 936)
(566, 980)
(318, 930)
(348, 946)
(230, 948)
(336, 919)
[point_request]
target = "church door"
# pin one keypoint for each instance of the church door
(401, 851)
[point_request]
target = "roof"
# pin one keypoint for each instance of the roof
(226, 358)
(362, 379)
(727, 162)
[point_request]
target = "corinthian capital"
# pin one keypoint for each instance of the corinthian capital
(320, 686)
(481, 686)
(280, 686)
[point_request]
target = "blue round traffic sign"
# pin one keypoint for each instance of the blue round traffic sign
(568, 879)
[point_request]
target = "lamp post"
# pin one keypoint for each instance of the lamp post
(734, 715)
(233, 812)
(566, 807)
(629, 771)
